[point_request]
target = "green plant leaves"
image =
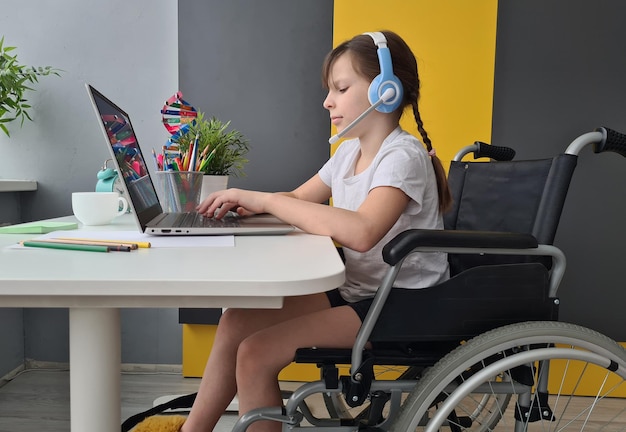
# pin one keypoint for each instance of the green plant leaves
(222, 152)
(14, 80)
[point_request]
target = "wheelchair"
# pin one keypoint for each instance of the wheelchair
(484, 350)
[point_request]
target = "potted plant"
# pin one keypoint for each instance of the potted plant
(14, 82)
(221, 153)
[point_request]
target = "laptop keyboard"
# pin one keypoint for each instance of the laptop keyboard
(196, 220)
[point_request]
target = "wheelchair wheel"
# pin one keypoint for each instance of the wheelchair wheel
(584, 389)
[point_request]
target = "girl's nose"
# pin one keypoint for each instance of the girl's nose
(328, 102)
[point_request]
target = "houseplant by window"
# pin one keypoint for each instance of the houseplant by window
(15, 80)
(223, 152)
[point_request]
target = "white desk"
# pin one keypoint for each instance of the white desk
(258, 272)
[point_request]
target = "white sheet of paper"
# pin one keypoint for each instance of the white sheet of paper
(155, 241)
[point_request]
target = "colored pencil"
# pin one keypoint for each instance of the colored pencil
(66, 246)
(115, 246)
(139, 244)
(193, 158)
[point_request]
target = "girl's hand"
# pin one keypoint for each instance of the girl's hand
(243, 202)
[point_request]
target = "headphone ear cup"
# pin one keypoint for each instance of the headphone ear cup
(377, 88)
(386, 79)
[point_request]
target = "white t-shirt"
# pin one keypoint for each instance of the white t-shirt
(401, 162)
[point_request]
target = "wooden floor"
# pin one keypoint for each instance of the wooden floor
(39, 400)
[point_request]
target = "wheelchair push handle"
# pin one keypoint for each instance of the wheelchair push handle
(481, 149)
(498, 153)
(611, 141)
(603, 140)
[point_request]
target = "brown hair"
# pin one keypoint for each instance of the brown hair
(365, 63)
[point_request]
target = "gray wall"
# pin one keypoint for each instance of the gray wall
(10, 207)
(133, 58)
(258, 64)
(560, 72)
(11, 339)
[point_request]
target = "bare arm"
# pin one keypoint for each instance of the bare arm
(313, 190)
(359, 230)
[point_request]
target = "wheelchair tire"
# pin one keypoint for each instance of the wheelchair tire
(580, 361)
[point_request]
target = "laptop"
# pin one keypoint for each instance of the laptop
(121, 140)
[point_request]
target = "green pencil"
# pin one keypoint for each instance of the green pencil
(66, 246)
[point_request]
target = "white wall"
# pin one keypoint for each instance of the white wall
(126, 49)
(129, 51)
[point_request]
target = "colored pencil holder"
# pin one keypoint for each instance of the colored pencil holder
(179, 191)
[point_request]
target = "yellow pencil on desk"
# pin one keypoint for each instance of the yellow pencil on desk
(139, 244)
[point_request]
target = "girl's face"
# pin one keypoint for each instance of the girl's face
(347, 95)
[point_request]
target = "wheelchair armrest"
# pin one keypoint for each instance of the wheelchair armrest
(402, 244)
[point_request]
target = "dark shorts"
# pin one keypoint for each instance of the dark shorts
(361, 307)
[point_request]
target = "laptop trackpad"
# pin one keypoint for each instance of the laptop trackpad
(262, 220)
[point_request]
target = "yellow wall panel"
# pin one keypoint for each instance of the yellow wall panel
(197, 343)
(454, 42)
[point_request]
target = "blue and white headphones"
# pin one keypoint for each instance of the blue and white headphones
(386, 80)
(385, 90)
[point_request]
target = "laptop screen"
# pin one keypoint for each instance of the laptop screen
(130, 161)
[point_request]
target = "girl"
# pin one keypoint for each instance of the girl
(382, 181)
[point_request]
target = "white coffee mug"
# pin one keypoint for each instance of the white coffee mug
(98, 208)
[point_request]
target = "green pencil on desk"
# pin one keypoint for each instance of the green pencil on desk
(66, 246)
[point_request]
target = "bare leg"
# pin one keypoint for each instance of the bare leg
(264, 354)
(218, 385)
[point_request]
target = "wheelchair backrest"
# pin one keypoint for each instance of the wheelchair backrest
(518, 196)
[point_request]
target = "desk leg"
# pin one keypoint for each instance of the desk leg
(95, 356)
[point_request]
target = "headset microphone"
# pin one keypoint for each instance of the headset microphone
(387, 95)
